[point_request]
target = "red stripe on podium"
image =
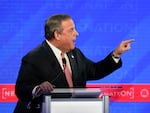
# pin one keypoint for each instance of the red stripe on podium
(117, 92)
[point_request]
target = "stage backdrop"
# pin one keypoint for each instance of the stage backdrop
(102, 25)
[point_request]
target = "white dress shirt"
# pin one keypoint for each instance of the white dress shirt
(57, 53)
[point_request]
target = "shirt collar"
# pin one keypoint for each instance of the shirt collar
(56, 51)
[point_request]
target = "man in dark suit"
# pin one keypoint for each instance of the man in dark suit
(42, 69)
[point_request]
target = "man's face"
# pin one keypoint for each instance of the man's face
(68, 35)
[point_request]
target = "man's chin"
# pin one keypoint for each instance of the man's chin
(71, 48)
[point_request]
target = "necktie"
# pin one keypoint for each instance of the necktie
(67, 71)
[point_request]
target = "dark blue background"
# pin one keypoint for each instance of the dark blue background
(102, 25)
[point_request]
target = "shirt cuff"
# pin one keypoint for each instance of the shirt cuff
(34, 91)
(116, 59)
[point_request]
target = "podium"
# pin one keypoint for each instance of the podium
(75, 101)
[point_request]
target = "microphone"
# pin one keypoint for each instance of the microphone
(57, 75)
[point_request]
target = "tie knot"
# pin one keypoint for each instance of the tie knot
(62, 54)
(63, 59)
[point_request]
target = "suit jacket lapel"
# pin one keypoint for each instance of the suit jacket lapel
(54, 64)
(52, 58)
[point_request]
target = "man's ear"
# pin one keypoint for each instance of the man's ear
(57, 35)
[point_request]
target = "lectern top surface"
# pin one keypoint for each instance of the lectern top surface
(77, 92)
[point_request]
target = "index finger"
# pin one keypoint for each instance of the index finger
(129, 41)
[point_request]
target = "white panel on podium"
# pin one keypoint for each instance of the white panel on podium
(76, 106)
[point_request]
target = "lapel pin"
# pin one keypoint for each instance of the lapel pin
(72, 56)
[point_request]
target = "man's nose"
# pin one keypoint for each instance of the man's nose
(76, 33)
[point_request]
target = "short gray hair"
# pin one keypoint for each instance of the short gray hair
(54, 24)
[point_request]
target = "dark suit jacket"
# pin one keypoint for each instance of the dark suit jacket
(41, 65)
